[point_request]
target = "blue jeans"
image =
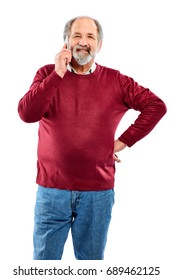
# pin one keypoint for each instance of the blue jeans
(86, 213)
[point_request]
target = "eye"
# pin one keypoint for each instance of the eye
(76, 36)
(91, 37)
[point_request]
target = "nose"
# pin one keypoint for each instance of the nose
(83, 42)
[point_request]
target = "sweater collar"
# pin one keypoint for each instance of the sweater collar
(89, 71)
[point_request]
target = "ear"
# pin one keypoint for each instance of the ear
(99, 45)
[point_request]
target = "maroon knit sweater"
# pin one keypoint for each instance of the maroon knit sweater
(78, 116)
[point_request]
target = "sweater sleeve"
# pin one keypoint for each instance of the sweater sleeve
(36, 101)
(150, 106)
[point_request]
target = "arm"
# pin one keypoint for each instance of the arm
(150, 106)
(35, 103)
(151, 109)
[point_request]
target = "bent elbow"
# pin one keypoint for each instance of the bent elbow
(163, 108)
(27, 116)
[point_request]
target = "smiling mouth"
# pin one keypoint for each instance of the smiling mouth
(78, 50)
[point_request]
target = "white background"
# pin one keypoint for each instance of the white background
(138, 42)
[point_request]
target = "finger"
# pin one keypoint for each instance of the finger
(68, 58)
(65, 46)
(116, 158)
(66, 52)
(66, 61)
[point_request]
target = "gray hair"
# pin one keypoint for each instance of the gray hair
(69, 24)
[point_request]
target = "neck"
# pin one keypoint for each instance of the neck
(81, 69)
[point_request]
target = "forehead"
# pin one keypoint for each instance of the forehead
(82, 25)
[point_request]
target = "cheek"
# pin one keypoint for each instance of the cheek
(95, 46)
(95, 49)
(73, 49)
(73, 45)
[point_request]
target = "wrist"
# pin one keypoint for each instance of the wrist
(119, 146)
(60, 73)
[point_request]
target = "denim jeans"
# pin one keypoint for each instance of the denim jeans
(86, 213)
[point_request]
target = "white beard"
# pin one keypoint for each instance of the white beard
(81, 57)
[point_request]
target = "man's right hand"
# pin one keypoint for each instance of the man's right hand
(61, 60)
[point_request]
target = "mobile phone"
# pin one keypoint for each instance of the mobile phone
(66, 42)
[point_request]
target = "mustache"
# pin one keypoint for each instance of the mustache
(79, 47)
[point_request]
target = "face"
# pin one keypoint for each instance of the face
(83, 40)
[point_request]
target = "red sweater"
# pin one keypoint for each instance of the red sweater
(78, 116)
